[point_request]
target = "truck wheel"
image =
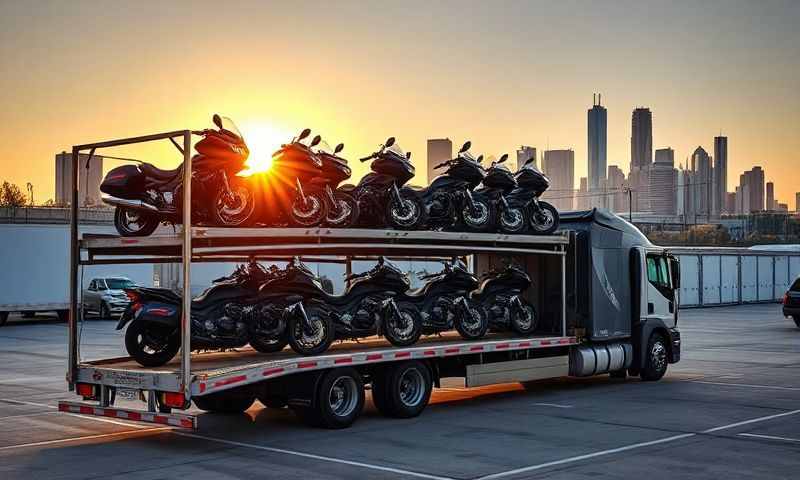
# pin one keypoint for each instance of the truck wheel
(339, 400)
(3, 318)
(655, 365)
(796, 319)
(225, 402)
(408, 389)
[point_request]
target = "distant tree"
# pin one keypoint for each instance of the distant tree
(11, 196)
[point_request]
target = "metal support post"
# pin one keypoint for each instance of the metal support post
(72, 321)
(186, 324)
(563, 292)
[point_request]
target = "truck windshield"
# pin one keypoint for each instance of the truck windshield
(119, 283)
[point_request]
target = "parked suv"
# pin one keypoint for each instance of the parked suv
(105, 296)
(791, 302)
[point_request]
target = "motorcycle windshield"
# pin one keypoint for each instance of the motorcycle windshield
(229, 126)
(396, 150)
(323, 147)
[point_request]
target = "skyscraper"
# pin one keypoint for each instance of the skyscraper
(750, 193)
(663, 178)
(771, 204)
(439, 150)
(703, 179)
(720, 175)
(597, 139)
(618, 200)
(88, 179)
(525, 153)
(641, 157)
(559, 166)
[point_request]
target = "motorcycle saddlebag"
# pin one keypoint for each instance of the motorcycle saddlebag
(123, 182)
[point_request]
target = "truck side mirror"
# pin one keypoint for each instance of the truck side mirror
(675, 270)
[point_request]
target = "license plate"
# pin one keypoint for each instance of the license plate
(128, 393)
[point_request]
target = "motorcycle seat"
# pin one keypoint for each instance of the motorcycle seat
(154, 172)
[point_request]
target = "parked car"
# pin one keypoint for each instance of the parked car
(105, 296)
(791, 302)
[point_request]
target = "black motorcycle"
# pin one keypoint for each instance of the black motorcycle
(145, 196)
(498, 183)
(342, 207)
(444, 303)
(542, 217)
(381, 196)
(220, 318)
(449, 200)
(500, 295)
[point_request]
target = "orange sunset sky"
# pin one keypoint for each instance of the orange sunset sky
(498, 73)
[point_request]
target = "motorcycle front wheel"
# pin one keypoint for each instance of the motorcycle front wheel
(546, 220)
(134, 223)
(151, 345)
(473, 323)
(406, 329)
(309, 213)
(314, 338)
(344, 214)
(408, 213)
(235, 208)
(512, 220)
(479, 217)
(524, 320)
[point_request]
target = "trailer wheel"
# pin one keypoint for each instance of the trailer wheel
(3, 318)
(655, 365)
(407, 389)
(339, 400)
(225, 402)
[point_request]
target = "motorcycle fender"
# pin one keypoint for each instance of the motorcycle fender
(161, 313)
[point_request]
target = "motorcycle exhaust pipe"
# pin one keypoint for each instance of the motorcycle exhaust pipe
(124, 202)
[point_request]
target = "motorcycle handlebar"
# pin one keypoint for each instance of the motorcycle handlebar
(441, 165)
(368, 158)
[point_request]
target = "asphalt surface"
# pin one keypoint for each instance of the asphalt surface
(730, 409)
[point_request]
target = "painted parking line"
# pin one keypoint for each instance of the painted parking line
(633, 446)
(23, 415)
(748, 385)
(770, 437)
(554, 405)
(341, 461)
(87, 437)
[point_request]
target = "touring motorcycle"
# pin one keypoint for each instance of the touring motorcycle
(500, 295)
(498, 183)
(342, 207)
(145, 196)
(542, 217)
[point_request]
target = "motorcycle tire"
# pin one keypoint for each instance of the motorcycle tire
(473, 328)
(311, 214)
(408, 216)
(549, 221)
(345, 213)
(317, 341)
(269, 345)
(524, 323)
(138, 340)
(237, 209)
(479, 220)
(403, 335)
(512, 220)
(124, 218)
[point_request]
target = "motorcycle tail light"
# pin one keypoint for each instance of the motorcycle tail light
(133, 296)
(786, 298)
(87, 390)
(173, 399)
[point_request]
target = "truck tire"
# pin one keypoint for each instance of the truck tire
(3, 318)
(225, 402)
(655, 364)
(407, 389)
(338, 402)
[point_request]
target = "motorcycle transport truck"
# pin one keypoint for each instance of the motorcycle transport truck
(605, 300)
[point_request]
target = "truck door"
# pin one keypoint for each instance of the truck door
(660, 292)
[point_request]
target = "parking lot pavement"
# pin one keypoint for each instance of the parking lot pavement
(730, 408)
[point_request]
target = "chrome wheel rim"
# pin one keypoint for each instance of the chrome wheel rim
(343, 397)
(132, 221)
(344, 212)
(472, 322)
(409, 217)
(512, 219)
(547, 220)
(525, 320)
(235, 208)
(308, 211)
(412, 387)
(658, 356)
(403, 327)
(316, 337)
(479, 217)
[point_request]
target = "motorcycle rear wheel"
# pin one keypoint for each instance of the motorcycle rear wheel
(134, 223)
(269, 345)
(149, 347)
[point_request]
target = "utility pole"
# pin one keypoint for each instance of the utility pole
(629, 191)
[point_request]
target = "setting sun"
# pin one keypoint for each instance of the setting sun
(263, 139)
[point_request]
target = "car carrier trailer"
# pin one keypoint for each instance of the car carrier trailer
(604, 295)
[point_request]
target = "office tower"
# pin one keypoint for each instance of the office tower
(582, 201)
(559, 166)
(88, 180)
(597, 139)
(685, 198)
(618, 200)
(641, 157)
(720, 175)
(750, 193)
(771, 203)
(525, 153)
(663, 178)
(703, 180)
(730, 202)
(439, 150)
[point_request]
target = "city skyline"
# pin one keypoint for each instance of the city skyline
(65, 87)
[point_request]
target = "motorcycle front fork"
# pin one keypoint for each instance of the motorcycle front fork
(332, 198)
(300, 192)
(297, 310)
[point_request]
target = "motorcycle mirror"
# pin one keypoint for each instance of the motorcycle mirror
(339, 148)
(217, 121)
(479, 159)
(408, 155)
(529, 161)
(304, 134)
(389, 142)
(503, 158)
(465, 147)
(316, 141)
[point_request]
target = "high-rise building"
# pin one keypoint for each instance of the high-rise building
(641, 157)
(525, 153)
(559, 166)
(663, 183)
(750, 193)
(730, 202)
(703, 180)
(720, 175)
(685, 191)
(439, 150)
(597, 140)
(617, 199)
(771, 203)
(88, 179)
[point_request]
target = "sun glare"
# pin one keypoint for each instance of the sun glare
(263, 140)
